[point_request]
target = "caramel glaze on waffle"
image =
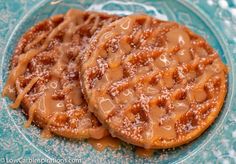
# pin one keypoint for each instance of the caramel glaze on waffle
(152, 83)
(44, 77)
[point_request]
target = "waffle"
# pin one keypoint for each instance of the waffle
(152, 83)
(44, 78)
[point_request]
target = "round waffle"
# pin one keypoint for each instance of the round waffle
(45, 78)
(152, 83)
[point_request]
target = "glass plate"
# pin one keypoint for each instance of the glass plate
(214, 20)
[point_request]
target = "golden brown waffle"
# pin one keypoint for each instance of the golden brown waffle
(46, 77)
(152, 83)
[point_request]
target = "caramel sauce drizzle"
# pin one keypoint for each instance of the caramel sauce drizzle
(105, 142)
(144, 153)
(32, 110)
(19, 98)
(24, 59)
(114, 144)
